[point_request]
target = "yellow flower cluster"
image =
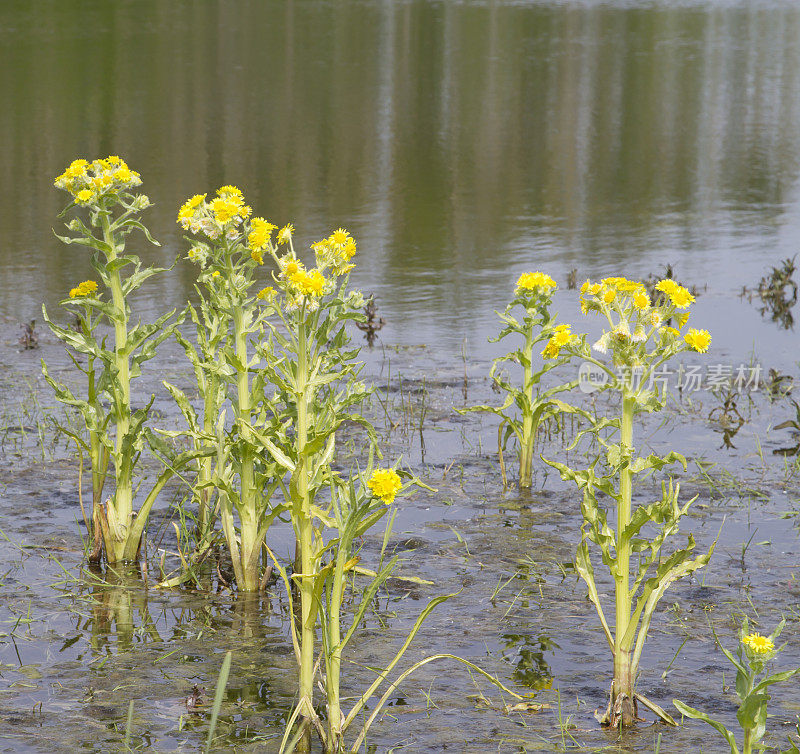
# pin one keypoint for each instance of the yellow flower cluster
(86, 288)
(758, 643)
(609, 290)
(536, 282)
(260, 234)
(335, 252)
(308, 282)
(678, 295)
(222, 214)
(300, 281)
(88, 182)
(562, 336)
(697, 340)
(385, 484)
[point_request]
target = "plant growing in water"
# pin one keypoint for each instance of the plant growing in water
(105, 188)
(229, 248)
(637, 343)
(308, 360)
(533, 293)
(752, 656)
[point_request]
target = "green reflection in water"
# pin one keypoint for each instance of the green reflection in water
(455, 140)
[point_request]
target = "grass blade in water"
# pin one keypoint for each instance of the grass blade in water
(222, 682)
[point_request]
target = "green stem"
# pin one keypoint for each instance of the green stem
(624, 673)
(116, 542)
(748, 741)
(528, 434)
(206, 469)
(334, 667)
(248, 498)
(305, 535)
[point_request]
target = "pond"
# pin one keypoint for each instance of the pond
(462, 143)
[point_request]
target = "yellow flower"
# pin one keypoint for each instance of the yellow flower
(698, 340)
(311, 283)
(187, 211)
(339, 237)
(230, 191)
(257, 256)
(285, 233)
(758, 643)
(562, 336)
(641, 300)
(679, 296)
(666, 286)
(349, 249)
(215, 274)
(123, 174)
(609, 295)
(266, 294)
(224, 210)
(86, 288)
(290, 267)
(531, 281)
(385, 484)
(260, 232)
(85, 196)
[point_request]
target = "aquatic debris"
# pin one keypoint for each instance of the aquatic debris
(29, 338)
(727, 416)
(778, 293)
(794, 426)
(572, 279)
(371, 326)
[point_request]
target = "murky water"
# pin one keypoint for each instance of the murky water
(461, 143)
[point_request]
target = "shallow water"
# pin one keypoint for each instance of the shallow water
(461, 143)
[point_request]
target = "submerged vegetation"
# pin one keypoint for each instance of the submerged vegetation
(286, 497)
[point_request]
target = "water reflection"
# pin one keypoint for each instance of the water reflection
(455, 140)
(527, 653)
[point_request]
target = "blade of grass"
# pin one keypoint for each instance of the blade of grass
(222, 682)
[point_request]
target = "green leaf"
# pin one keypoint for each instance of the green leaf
(696, 714)
(752, 714)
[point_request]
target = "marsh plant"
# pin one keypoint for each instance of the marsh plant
(528, 405)
(234, 471)
(753, 655)
(632, 348)
(108, 208)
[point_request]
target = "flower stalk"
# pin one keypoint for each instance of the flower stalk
(533, 295)
(105, 189)
(636, 343)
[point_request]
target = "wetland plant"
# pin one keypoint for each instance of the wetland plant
(232, 459)
(753, 655)
(105, 189)
(635, 345)
(528, 406)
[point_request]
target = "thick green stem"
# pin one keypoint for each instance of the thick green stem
(748, 741)
(335, 739)
(528, 434)
(305, 535)
(248, 513)
(116, 541)
(206, 468)
(624, 674)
